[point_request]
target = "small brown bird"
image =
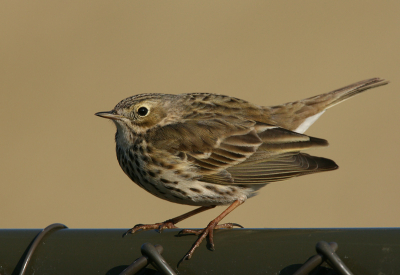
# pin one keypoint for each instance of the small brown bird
(206, 149)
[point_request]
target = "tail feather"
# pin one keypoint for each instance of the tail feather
(354, 89)
(299, 115)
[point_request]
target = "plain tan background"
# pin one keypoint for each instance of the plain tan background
(62, 62)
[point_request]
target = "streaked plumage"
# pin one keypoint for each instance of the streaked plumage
(207, 149)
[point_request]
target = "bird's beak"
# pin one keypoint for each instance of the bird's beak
(108, 115)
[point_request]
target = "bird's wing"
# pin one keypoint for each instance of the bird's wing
(220, 147)
(278, 158)
(279, 168)
(211, 145)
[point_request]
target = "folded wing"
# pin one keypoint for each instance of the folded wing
(236, 151)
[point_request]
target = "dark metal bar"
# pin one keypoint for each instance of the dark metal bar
(237, 251)
(313, 262)
(140, 263)
(151, 252)
(325, 249)
(36, 242)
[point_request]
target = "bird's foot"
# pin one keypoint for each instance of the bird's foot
(200, 231)
(158, 226)
(208, 231)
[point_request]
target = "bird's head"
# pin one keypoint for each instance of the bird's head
(135, 115)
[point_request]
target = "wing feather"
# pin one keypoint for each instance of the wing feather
(283, 167)
(236, 151)
(211, 145)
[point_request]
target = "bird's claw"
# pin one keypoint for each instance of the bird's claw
(208, 231)
(200, 231)
(190, 231)
(235, 224)
(212, 246)
(159, 227)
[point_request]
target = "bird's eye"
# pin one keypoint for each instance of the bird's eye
(143, 111)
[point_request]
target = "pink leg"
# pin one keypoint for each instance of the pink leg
(209, 230)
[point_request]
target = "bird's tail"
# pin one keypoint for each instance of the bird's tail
(299, 115)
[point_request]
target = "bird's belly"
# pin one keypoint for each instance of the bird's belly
(179, 184)
(202, 194)
(168, 186)
(198, 193)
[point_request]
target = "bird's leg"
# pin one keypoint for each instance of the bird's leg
(168, 224)
(209, 230)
